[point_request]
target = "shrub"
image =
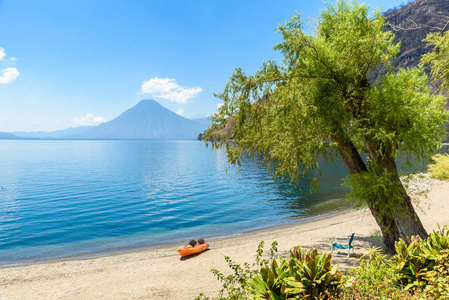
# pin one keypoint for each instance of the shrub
(424, 264)
(302, 276)
(359, 290)
(235, 285)
(419, 270)
(375, 279)
(272, 283)
(439, 169)
(437, 283)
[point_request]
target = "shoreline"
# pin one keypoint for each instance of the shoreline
(341, 206)
(161, 274)
(171, 245)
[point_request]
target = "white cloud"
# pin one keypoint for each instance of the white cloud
(8, 75)
(89, 119)
(11, 60)
(3, 56)
(37, 122)
(2, 53)
(3, 119)
(219, 105)
(167, 88)
(180, 111)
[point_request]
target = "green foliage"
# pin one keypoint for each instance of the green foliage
(374, 267)
(235, 285)
(320, 102)
(424, 264)
(272, 282)
(438, 59)
(314, 272)
(201, 296)
(439, 169)
(374, 278)
(303, 276)
(419, 270)
(319, 97)
(369, 185)
(378, 290)
(407, 115)
(437, 283)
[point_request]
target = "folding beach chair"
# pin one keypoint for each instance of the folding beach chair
(348, 245)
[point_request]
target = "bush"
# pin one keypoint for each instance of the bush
(439, 169)
(235, 285)
(359, 290)
(424, 264)
(302, 276)
(273, 283)
(375, 279)
(419, 270)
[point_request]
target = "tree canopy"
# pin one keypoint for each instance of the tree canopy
(320, 101)
(439, 58)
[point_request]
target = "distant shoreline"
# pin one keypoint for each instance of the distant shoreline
(67, 139)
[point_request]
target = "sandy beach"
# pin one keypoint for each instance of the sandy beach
(161, 274)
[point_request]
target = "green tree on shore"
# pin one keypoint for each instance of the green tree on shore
(438, 59)
(321, 102)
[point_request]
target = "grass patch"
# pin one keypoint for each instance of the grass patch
(440, 168)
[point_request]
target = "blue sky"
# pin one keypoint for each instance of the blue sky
(71, 63)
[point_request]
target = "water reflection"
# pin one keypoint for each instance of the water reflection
(331, 194)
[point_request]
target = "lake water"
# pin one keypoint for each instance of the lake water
(62, 199)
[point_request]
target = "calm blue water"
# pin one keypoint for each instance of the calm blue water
(60, 199)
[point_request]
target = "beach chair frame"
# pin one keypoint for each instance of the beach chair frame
(348, 245)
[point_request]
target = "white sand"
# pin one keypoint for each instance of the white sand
(161, 274)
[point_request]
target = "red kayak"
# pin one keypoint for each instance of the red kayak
(189, 250)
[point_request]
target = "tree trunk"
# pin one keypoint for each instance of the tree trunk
(387, 226)
(402, 220)
(396, 220)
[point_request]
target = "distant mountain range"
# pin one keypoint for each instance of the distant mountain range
(51, 135)
(147, 120)
(8, 136)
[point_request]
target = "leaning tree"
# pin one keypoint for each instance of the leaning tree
(320, 101)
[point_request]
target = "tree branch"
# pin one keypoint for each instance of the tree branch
(334, 75)
(289, 77)
(416, 26)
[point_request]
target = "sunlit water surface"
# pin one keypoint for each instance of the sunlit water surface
(61, 199)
